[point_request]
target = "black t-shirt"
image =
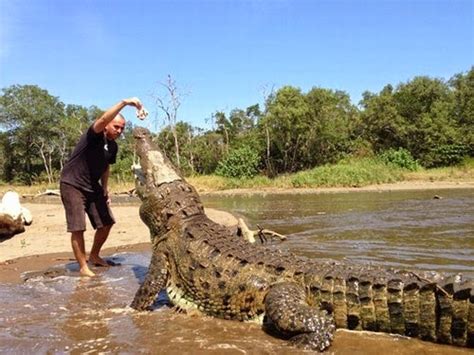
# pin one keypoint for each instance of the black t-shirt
(89, 160)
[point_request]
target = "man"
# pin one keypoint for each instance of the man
(84, 180)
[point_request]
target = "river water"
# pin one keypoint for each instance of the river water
(67, 314)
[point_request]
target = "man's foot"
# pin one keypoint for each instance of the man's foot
(86, 272)
(98, 261)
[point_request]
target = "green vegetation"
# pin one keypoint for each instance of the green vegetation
(347, 173)
(239, 163)
(423, 128)
(462, 172)
(400, 158)
(350, 173)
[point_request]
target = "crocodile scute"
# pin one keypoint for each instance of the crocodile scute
(207, 268)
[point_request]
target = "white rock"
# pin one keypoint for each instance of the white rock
(11, 205)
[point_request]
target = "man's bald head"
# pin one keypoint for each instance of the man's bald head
(115, 127)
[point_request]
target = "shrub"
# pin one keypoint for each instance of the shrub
(401, 158)
(446, 155)
(353, 173)
(122, 169)
(239, 163)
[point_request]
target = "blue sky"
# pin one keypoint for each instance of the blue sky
(225, 54)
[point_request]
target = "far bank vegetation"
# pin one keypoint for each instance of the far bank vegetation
(420, 129)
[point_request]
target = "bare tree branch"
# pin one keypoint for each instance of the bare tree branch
(169, 104)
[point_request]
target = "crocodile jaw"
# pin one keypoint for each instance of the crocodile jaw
(158, 170)
(155, 169)
(159, 176)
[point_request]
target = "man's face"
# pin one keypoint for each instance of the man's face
(115, 128)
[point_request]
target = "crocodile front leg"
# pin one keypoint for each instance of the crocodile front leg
(287, 309)
(155, 280)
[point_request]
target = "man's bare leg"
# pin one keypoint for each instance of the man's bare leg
(101, 235)
(78, 247)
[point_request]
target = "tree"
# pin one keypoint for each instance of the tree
(240, 163)
(223, 127)
(238, 129)
(208, 150)
(381, 123)
(284, 125)
(331, 129)
(76, 121)
(4, 153)
(169, 104)
(32, 117)
(418, 116)
(184, 134)
(425, 104)
(121, 171)
(463, 113)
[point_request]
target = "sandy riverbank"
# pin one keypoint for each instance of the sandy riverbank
(46, 243)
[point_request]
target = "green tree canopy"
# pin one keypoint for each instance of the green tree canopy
(418, 116)
(333, 120)
(284, 125)
(32, 117)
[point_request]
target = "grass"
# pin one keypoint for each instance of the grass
(27, 189)
(347, 173)
(462, 172)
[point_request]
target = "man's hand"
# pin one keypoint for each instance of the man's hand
(133, 101)
(141, 111)
(107, 197)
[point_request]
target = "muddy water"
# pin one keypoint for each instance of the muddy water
(67, 314)
(410, 229)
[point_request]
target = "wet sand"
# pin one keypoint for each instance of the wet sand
(46, 243)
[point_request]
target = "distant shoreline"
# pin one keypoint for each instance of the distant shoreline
(31, 193)
(398, 186)
(119, 197)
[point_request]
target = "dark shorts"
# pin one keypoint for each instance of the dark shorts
(78, 202)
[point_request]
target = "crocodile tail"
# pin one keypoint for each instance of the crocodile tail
(398, 303)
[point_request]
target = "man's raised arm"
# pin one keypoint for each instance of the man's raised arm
(109, 115)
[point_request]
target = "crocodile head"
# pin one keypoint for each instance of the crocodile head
(155, 176)
(155, 168)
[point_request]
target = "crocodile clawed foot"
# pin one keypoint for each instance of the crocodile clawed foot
(288, 311)
(317, 340)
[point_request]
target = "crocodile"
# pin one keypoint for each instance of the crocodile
(209, 269)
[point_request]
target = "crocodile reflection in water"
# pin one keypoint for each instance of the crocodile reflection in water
(208, 268)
